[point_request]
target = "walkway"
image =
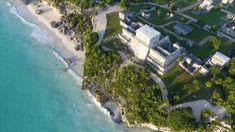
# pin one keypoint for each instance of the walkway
(199, 105)
(99, 21)
(161, 84)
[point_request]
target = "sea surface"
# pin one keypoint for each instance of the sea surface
(35, 94)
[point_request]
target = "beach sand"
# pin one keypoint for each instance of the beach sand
(61, 43)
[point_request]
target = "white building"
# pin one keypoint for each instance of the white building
(148, 35)
(207, 4)
(147, 44)
(218, 59)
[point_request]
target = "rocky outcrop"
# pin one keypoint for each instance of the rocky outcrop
(66, 7)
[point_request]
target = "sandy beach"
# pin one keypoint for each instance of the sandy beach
(61, 44)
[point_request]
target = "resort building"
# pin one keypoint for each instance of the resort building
(229, 28)
(191, 64)
(149, 46)
(218, 60)
(207, 4)
(182, 29)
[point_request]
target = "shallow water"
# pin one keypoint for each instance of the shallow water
(35, 94)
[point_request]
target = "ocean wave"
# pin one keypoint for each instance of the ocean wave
(72, 72)
(39, 34)
(42, 36)
(98, 104)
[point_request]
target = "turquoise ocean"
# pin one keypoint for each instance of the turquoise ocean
(35, 94)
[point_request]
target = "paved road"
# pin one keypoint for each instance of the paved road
(100, 21)
(199, 105)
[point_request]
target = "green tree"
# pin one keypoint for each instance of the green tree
(124, 4)
(232, 66)
(206, 113)
(176, 99)
(215, 43)
(209, 84)
(181, 119)
(215, 72)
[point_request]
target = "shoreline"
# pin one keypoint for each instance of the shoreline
(58, 48)
(63, 48)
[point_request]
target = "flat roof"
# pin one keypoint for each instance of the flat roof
(221, 56)
(148, 32)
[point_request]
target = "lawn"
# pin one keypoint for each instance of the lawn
(211, 18)
(204, 51)
(160, 17)
(231, 9)
(113, 25)
(196, 35)
(115, 44)
(139, 7)
(175, 80)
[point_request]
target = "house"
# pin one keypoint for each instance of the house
(182, 29)
(149, 46)
(191, 64)
(218, 60)
(229, 28)
(146, 15)
(126, 15)
(207, 4)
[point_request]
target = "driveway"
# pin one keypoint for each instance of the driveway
(100, 21)
(199, 105)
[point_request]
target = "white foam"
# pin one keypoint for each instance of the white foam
(76, 77)
(8, 4)
(72, 72)
(58, 56)
(39, 34)
(43, 37)
(98, 104)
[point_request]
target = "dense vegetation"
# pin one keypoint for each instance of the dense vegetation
(77, 21)
(139, 95)
(85, 3)
(131, 86)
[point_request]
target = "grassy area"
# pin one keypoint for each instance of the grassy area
(139, 7)
(211, 18)
(184, 3)
(160, 17)
(206, 50)
(113, 25)
(196, 35)
(175, 80)
(116, 44)
(160, 1)
(231, 9)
